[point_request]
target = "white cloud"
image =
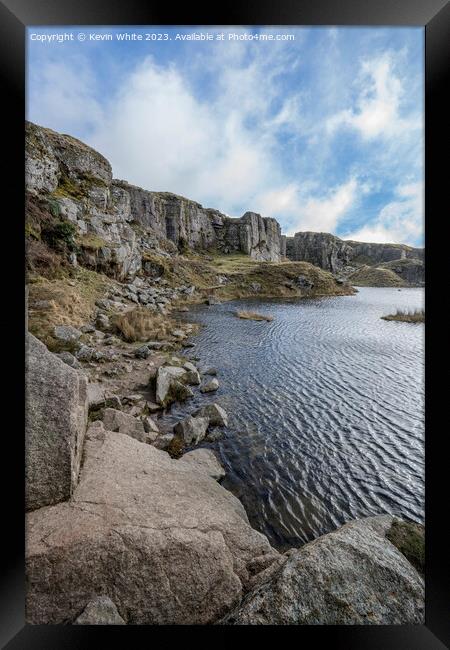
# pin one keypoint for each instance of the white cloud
(377, 111)
(63, 94)
(306, 209)
(400, 221)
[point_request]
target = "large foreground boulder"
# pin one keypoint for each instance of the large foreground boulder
(56, 418)
(353, 575)
(161, 539)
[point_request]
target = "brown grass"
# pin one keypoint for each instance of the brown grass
(253, 315)
(68, 304)
(417, 316)
(140, 324)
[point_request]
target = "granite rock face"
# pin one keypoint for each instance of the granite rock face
(353, 575)
(319, 248)
(100, 611)
(342, 257)
(161, 539)
(118, 224)
(56, 417)
(368, 253)
(410, 270)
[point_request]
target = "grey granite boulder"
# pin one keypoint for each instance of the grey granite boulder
(56, 418)
(209, 386)
(165, 380)
(100, 611)
(120, 422)
(352, 576)
(166, 542)
(191, 430)
(66, 333)
(216, 415)
(204, 460)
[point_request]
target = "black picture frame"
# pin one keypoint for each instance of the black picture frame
(15, 16)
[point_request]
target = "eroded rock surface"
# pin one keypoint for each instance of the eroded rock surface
(56, 417)
(353, 575)
(165, 542)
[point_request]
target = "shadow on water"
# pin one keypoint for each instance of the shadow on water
(326, 408)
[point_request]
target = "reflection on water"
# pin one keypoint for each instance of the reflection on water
(326, 407)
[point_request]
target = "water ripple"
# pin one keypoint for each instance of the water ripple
(326, 406)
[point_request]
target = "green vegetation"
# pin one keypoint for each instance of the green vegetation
(417, 316)
(92, 242)
(409, 538)
(253, 315)
(60, 236)
(369, 276)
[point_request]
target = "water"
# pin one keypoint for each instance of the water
(326, 407)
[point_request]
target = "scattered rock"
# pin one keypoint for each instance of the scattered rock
(165, 380)
(191, 430)
(150, 425)
(209, 386)
(56, 418)
(100, 611)
(87, 329)
(68, 358)
(210, 371)
(143, 352)
(212, 301)
(66, 333)
(120, 422)
(163, 441)
(214, 436)
(96, 395)
(152, 407)
(102, 322)
(204, 460)
(217, 416)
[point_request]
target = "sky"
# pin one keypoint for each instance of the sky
(321, 128)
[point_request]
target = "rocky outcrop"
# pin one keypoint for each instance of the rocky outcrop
(410, 270)
(369, 253)
(353, 575)
(319, 248)
(56, 417)
(405, 264)
(117, 224)
(160, 538)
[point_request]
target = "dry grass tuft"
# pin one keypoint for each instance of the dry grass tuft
(140, 324)
(253, 315)
(417, 316)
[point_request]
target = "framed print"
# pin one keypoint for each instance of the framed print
(229, 420)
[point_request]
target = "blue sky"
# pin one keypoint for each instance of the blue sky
(323, 132)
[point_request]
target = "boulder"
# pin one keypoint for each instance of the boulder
(352, 576)
(209, 386)
(123, 423)
(68, 358)
(165, 542)
(204, 460)
(163, 441)
(66, 333)
(100, 611)
(56, 419)
(191, 430)
(96, 394)
(164, 381)
(217, 416)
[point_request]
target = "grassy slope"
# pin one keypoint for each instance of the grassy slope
(369, 276)
(71, 293)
